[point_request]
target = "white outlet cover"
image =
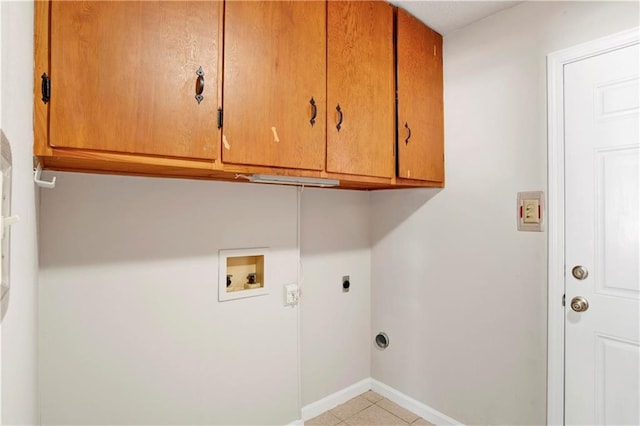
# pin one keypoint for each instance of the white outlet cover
(291, 295)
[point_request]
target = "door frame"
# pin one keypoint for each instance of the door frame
(556, 206)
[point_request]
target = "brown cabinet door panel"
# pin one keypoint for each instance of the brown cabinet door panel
(274, 64)
(420, 105)
(360, 80)
(123, 77)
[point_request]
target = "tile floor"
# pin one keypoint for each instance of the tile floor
(368, 409)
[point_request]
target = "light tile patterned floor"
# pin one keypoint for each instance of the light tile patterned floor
(368, 409)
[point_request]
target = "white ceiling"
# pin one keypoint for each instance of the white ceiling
(448, 16)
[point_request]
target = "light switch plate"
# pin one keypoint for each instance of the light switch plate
(530, 211)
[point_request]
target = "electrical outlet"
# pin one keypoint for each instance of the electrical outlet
(291, 295)
(346, 283)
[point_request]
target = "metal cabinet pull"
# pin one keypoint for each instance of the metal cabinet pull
(199, 85)
(314, 111)
(339, 125)
(406, 126)
(46, 88)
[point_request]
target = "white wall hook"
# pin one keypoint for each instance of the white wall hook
(6, 222)
(42, 183)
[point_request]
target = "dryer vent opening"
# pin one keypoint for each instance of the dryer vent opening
(382, 340)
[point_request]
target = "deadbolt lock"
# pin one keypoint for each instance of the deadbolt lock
(579, 272)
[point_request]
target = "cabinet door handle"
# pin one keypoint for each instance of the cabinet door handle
(339, 125)
(314, 111)
(46, 88)
(199, 85)
(406, 126)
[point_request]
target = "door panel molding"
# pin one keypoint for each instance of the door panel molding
(615, 165)
(556, 204)
(620, 355)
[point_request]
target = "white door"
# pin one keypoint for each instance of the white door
(602, 151)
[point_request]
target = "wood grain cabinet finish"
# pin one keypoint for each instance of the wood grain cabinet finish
(420, 101)
(123, 77)
(360, 88)
(275, 83)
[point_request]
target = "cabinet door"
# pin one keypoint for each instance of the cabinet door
(360, 82)
(275, 83)
(420, 113)
(123, 77)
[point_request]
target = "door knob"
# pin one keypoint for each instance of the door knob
(579, 304)
(579, 272)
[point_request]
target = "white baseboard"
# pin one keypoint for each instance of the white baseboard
(296, 423)
(327, 403)
(429, 414)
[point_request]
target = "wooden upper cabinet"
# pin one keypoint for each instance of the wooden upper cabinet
(360, 81)
(274, 84)
(123, 77)
(343, 89)
(420, 104)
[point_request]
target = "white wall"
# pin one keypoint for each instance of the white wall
(18, 369)
(130, 328)
(131, 331)
(1, 49)
(336, 326)
(460, 292)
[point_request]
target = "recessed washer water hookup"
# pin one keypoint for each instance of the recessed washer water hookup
(382, 340)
